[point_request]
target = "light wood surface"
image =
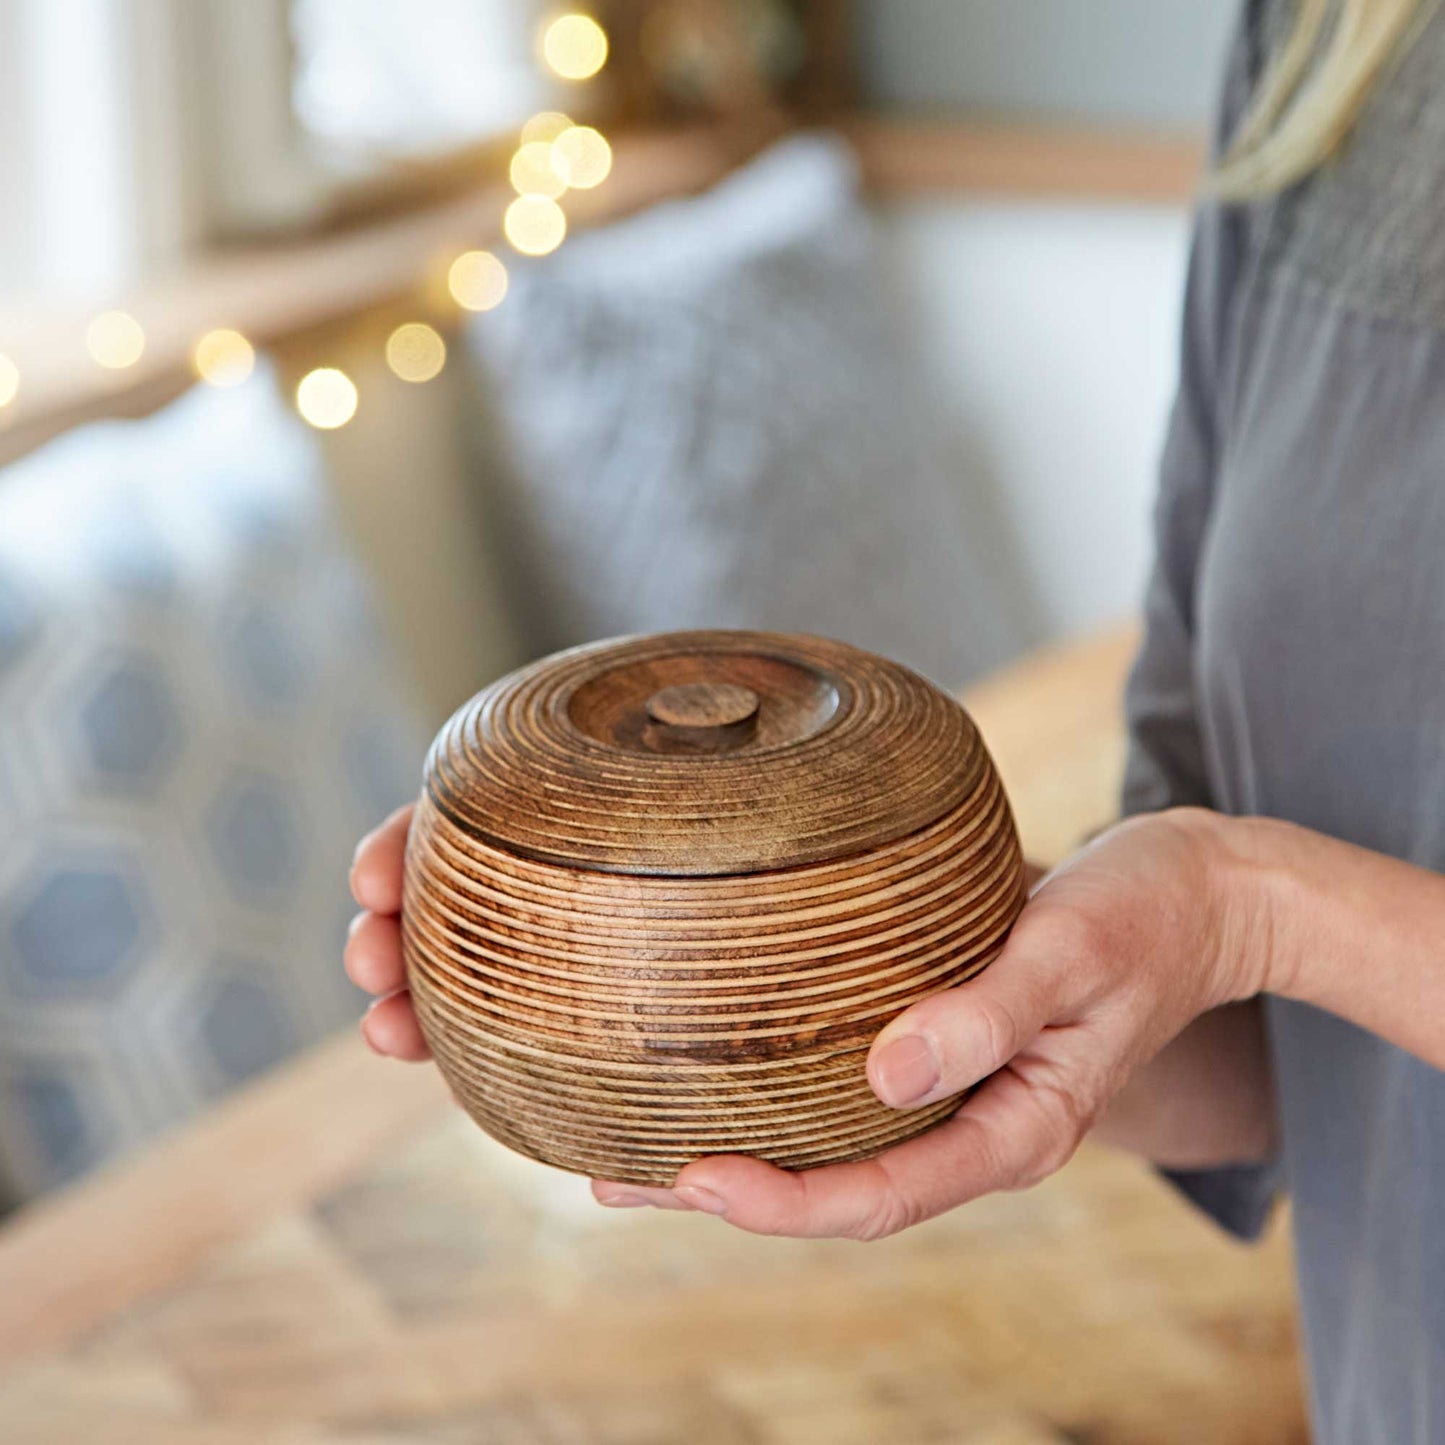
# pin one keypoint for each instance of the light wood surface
(286, 295)
(93, 1248)
(338, 1257)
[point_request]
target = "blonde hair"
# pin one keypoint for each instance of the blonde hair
(1295, 123)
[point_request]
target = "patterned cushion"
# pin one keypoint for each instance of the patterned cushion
(197, 720)
(714, 423)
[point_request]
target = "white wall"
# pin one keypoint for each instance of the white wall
(1145, 62)
(1049, 332)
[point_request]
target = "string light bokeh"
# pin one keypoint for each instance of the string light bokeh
(581, 157)
(535, 225)
(115, 340)
(546, 125)
(416, 352)
(327, 398)
(553, 155)
(477, 281)
(533, 173)
(574, 47)
(224, 357)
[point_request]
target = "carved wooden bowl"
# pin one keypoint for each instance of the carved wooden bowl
(662, 893)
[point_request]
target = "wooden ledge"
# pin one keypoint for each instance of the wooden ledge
(909, 157)
(279, 295)
(283, 295)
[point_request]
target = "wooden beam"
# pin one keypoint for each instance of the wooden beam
(909, 157)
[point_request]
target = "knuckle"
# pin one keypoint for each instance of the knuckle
(1067, 1115)
(996, 1165)
(999, 1031)
(889, 1215)
(1090, 936)
(890, 1209)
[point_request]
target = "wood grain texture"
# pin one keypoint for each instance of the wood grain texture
(625, 957)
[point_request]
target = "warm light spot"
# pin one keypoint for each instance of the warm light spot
(533, 173)
(546, 125)
(477, 280)
(415, 351)
(224, 357)
(575, 46)
(9, 380)
(326, 398)
(534, 225)
(581, 157)
(115, 339)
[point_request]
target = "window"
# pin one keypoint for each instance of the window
(135, 133)
(374, 79)
(87, 168)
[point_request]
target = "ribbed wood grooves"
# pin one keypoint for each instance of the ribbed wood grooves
(621, 1023)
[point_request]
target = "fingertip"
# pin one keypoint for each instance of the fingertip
(912, 1021)
(376, 881)
(391, 1029)
(721, 1173)
(748, 1193)
(373, 957)
(614, 1195)
(379, 862)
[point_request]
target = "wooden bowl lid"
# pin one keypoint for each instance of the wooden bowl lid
(703, 753)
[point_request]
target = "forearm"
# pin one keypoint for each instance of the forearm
(1205, 1099)
(1350, 931)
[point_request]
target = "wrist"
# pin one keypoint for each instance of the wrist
(1257, 858)
(1251, 891)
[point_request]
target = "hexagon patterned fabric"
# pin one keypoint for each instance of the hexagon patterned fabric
(197, 721)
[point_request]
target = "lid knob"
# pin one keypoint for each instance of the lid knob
(701, 716)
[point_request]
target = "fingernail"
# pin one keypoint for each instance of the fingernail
(355, 924)
(625, 1199)
(906, 1071)
(695, 1197)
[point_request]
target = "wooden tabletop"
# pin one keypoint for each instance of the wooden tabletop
(336, 1256)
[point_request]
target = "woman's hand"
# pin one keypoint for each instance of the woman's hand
(1118, 951)
(373, 949)
(1115, 954)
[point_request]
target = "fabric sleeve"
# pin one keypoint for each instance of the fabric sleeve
(1166, 764)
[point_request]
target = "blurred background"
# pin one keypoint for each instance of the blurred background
(354, 352)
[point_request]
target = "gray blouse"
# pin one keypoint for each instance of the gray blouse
(1294, 666)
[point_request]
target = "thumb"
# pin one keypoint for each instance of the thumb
(946, 1044)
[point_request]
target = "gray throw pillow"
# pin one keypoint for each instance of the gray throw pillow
(711, 421)
(197, 720)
